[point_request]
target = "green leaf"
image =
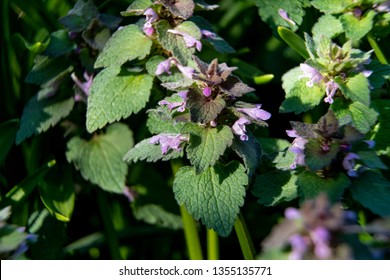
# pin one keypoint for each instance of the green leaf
(100, 159)
(214, 196)
(332, 6)
(126, 44)
(269, 12)
(380, 73)
(57, 193)
(8, 131)
(275, 187)
(371, 159)
(156, 215)
(115, 96)
(173, 43)
(46, 69)
(202, 109)
(310, 185)
(294, 41)
(60, 44)
(356, 28)
(302, 98)
(382, 130)
(327, 25)
(372, 191)
(22, 190)
(41, 114)
(207, 144)
(284, 159)
(356, 89)
(150, 152)
(316, 158)
(250, 152)
(218, 43)
(363, 117)
(360, 116)
(160, 121)
(137, 8)
(80, 16)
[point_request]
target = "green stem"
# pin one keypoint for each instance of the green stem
(191, 235)
(189, 225)
(246, 244)
(212, 245)
(112, 238)
(378, 52)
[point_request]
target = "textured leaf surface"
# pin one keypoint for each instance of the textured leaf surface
(214, 196)
(207, 145)
(316, 158)
(268, 10)
(355, 28)
(249, 151)
(302, 98)
(372, 190)
(327, 25)
(137, 8)
(331, 6)
(149, 152)
(202, 109)
(174, 43)
(100, 159)
(162, 122)
(310, 185)
(39, 115)
(360, 116)
(116, 96)
(126, 44)
(275, 187)
(357, 89)
(180, 8)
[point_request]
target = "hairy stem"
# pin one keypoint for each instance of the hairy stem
(246, 244)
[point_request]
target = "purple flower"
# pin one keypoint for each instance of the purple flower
(384, 7)
(213, 124)
(370, 143)
(313, 74)
(130, 193)
(185, 70)
(292, 213)
(85, 86)
(240, 129)
(299, 246)
(164, 67)
(320, 237)
(151, 17)
(331, 88)
(255, 113)
(207, 91)
(168, 141)
(179, 106)
(298, 148)
(208, 34)
(285, 16)
(188, 39)
(349, 164)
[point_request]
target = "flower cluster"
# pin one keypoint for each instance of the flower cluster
(331, 66)
(312, 232)
(332, 146)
